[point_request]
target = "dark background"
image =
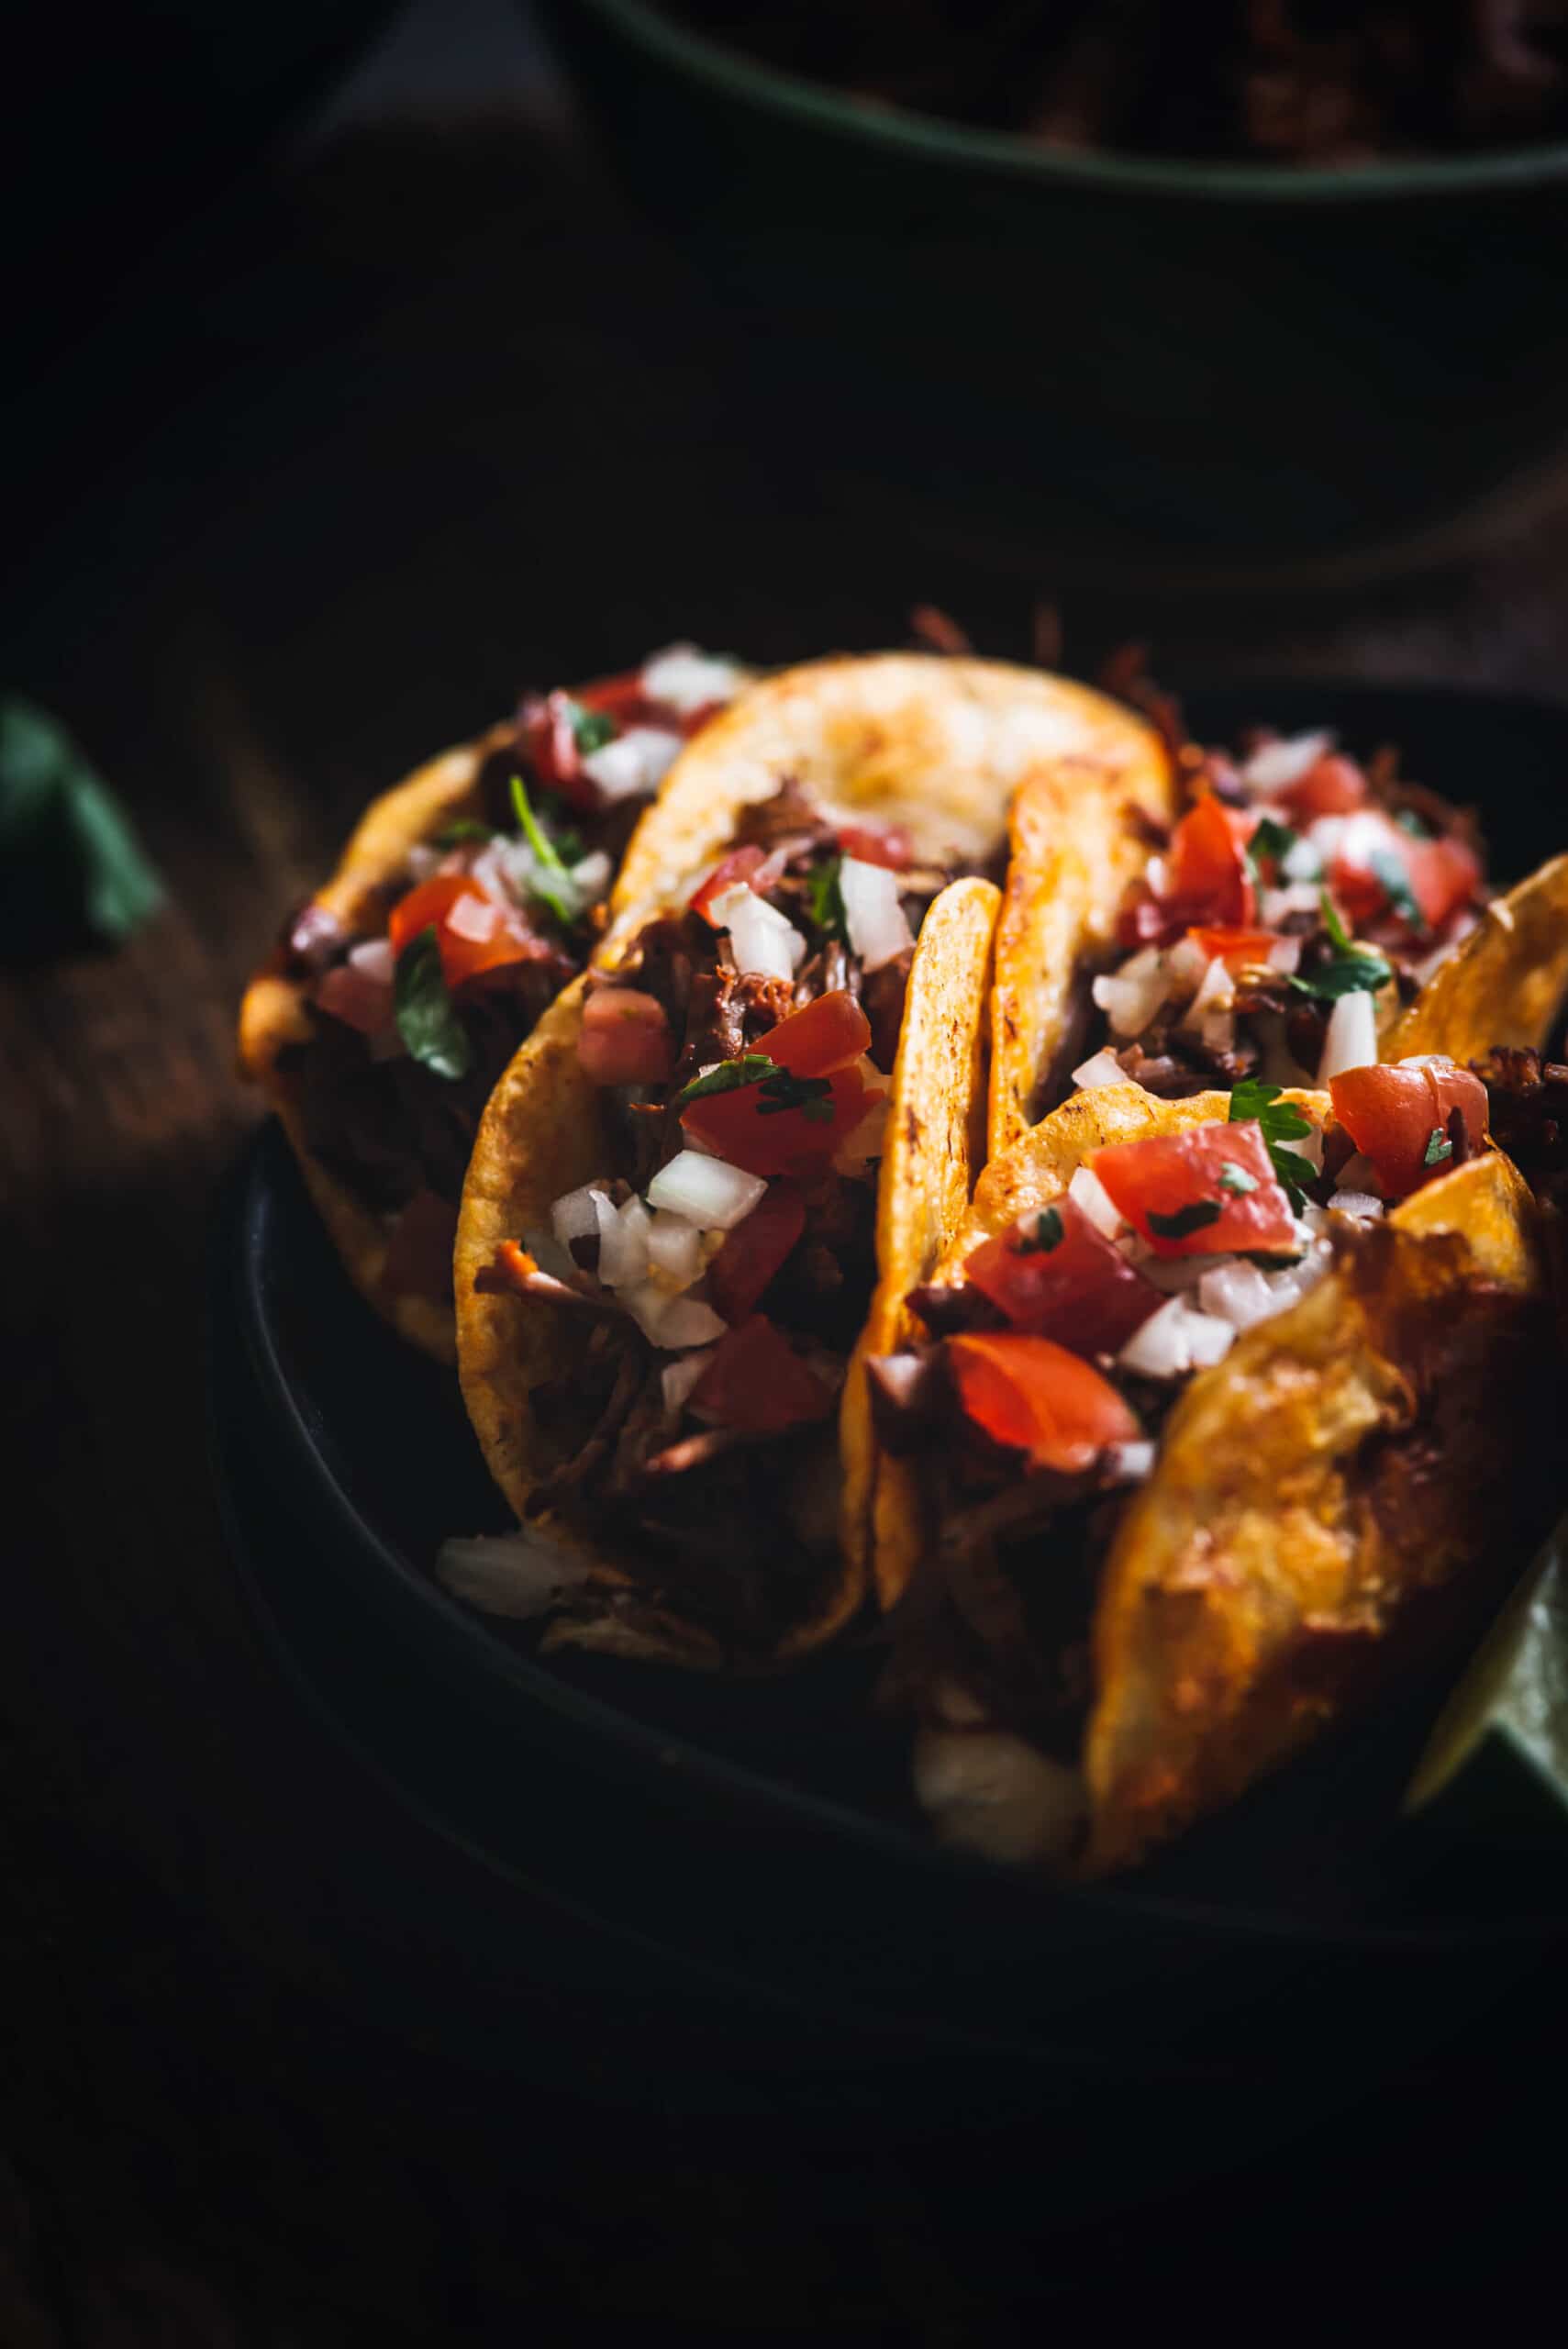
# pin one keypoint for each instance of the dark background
(346, 395)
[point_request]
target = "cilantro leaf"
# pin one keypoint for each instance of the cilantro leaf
(1396, 888)
(1439, 1147)
(1270, 844)
(1188, 1218)
(810, 1095)
(728, 1077)
(1354, 973)
(68, 854)
(1281, 1122)
(461, 828)
(1333, 922)
(1236, 1179)
(1295, 1173)
(423, 1010)
(827, 899)
(552, 883)
(1046, 1236)
(591, 728)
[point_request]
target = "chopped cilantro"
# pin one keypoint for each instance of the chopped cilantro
(591, 728)
(1397, 887)
(812, 1096)
(552, 883)
(1439, 1147)
(1339, 936)
(1188, 1218)
(1270, 844)
(729, 1077)
(1236, 1179)
(423, 1010)
(827, 899)
(1360, 972)
(1046, 1234)
(1281, 1122)
(461, 828)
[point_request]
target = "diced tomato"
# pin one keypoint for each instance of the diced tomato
(1035, 1396)
(825, 1035)
(512, 940)
(1445, 873)
(1056, 1274)
(1211, 1191)
(745, 1129)
(1394, 1116)
(1235, 948)
(753, 1252)
(624, 1037)
(738, 866)
(1208, 865)
(1332, 785)
(892, 848)
(549, 727)
(420, 1253)
(757, 1381)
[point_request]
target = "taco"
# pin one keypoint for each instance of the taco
(669, 1233)
(464, 901)
(1204, 1445)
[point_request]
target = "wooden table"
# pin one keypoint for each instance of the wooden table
(429, 420)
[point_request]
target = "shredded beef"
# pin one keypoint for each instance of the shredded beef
(791, 813)
(882, 1000)
(949, 1309)
(1528, 1113)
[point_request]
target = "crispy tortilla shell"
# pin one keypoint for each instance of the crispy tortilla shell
(275, 1013)
(1505, 985)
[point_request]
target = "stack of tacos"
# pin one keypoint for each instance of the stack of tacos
(969, 1170)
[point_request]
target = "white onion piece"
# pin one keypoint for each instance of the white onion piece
(1176, 1339)
(1235, 1293)
(1426, 1059)
(677, 1379)
(634, 763)
(1170, 1273)
(422, 860)
(874, 915)
(374, 958)
(518, 1575)
(1362, 1205)
(1303, 862)
(1284, 956)
(690, 1322)
(1157, 875)
(1352, 1040)
(549, 1255)
(1100, 1068)
(709, 1192)
(676, 1250)
(1130, 997)
(1089, 1194)
(684, 678)
(591, 875)
(1218, 993)
(472, 918)
(1276, 906)
(1130, 1463)
(1361, 838)
(622, 1245)
(576, 1217)
(1187, 964)
(763, 942)
(1277, 765)
(505, 869)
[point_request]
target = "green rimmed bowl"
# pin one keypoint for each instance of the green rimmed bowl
(1231, 360)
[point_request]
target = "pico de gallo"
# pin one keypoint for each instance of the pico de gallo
(415, 1012)
(1039, 1394)
(744, 1044)
(1301, 898)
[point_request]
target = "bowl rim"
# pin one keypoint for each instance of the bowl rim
(896, 130)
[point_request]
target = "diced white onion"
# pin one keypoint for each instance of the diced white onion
(422, 860)
(634, 763)
(1130, 997)
(1302, 864)
(549, 1254)
(1169, 1274)
(1235, 1293)
(375, 958)
(1360, 1203)
(1352, 1040)
(1279, 764)
(1157, 875)
(519, 1574)
(676, 1250)
(708, 1192)
(689, 1322)
(1276, 906)
(764, 944)
(1130, 1464)
(1362, 837)
(1218, 993)
(1185, 963)
(591, 875)
(472, 918)
(684, 678)
(1089, 1194)
(575, 1215)
(1285, 955)
(1100, 1068)
(1175, 1339)
(677, 1379)
(622, 1245)
(505, 869)
(873, 914)
(1310, 1147)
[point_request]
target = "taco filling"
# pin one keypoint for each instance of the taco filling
(1053, 1358)
(1280, 924)
(416, 1009)
(742, 1047)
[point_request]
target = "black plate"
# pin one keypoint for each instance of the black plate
(752, 1850)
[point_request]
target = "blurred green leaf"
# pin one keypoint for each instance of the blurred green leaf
(69, 854)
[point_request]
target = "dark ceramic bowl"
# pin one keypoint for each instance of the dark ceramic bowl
(1228, 359)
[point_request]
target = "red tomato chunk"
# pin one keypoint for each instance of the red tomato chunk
(1209, 1192)
(757, 1381)
(1079, 1289)
(1035, 1396)
(754, 1251)
(1399, 1117)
